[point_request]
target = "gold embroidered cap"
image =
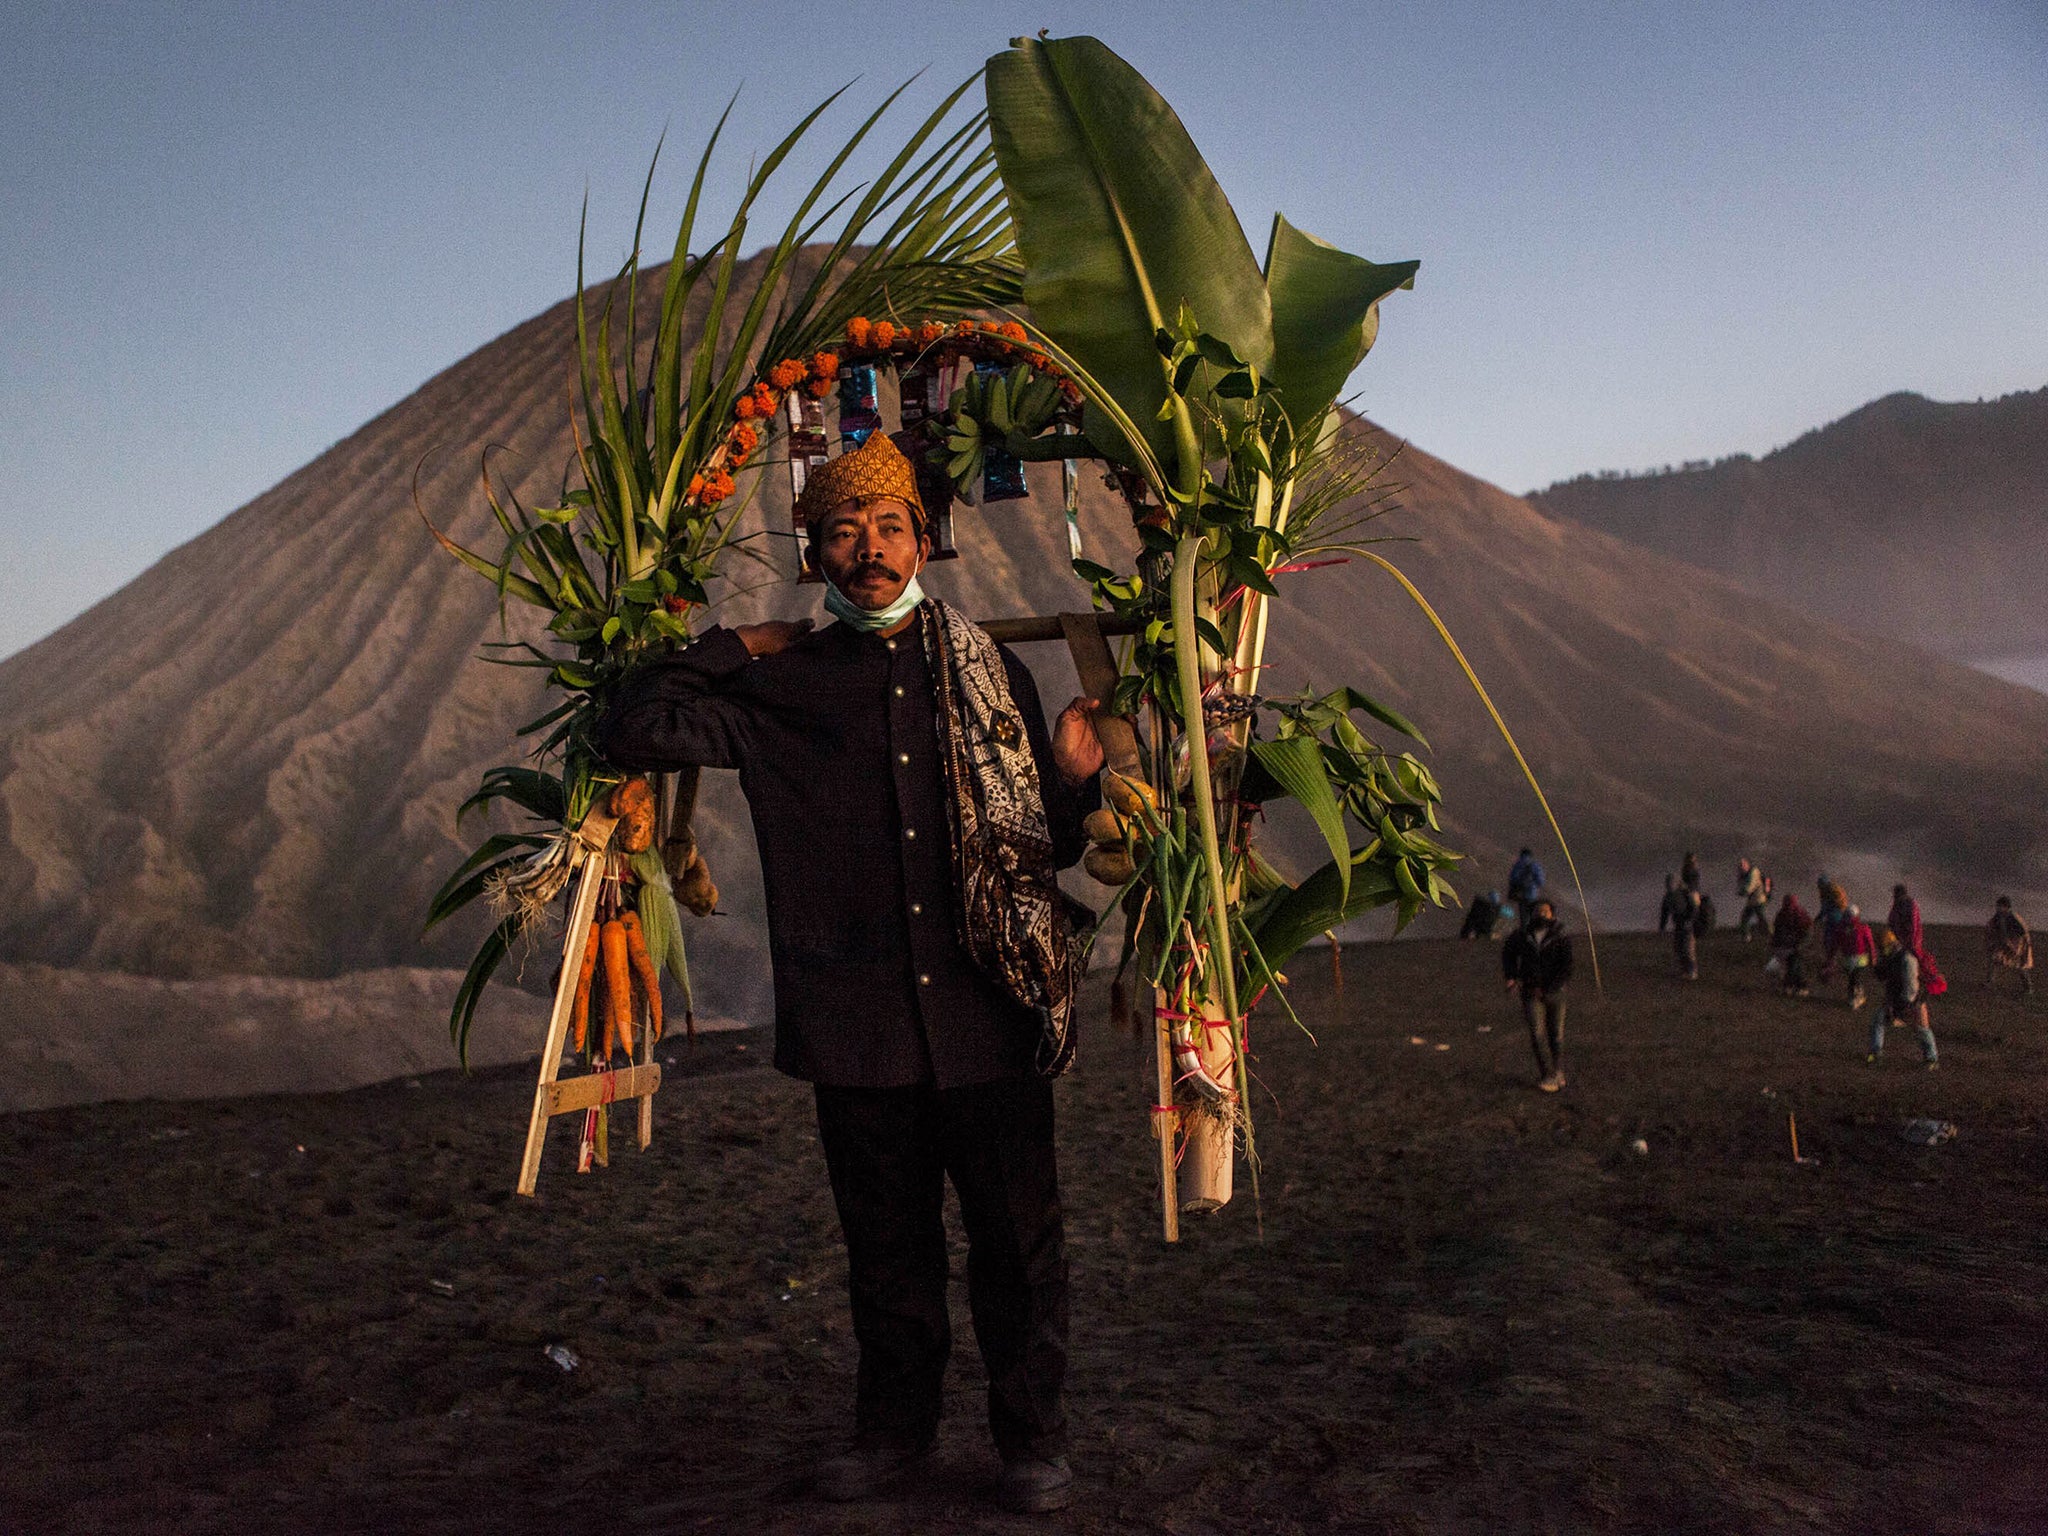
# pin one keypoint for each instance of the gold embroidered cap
(874, 471)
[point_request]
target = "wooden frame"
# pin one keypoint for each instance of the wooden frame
(593, 1090)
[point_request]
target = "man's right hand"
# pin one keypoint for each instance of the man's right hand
(773, 635)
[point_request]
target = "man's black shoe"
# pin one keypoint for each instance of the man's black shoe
(1031, 1486)
(869, 1468)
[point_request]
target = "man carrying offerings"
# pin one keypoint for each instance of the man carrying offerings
(911, 811)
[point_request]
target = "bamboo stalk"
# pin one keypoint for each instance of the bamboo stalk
(1209, 1144)
(1220, 975)
(1165, 1119)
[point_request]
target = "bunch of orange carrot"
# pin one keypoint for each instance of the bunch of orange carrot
(617, 970)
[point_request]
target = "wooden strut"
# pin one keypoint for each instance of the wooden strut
(551, 1098)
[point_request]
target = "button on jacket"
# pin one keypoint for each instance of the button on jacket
(836, 743)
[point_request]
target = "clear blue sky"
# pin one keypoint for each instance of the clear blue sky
(231, 234)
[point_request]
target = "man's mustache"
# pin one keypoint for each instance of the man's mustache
(869, 568)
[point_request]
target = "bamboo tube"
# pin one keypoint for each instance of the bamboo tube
(1208, 1159)
(1165, 1120)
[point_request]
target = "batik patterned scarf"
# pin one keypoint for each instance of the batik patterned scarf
(1013, 918)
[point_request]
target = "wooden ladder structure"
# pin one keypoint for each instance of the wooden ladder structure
(593, 1090)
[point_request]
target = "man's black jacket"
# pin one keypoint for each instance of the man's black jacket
(1538, 957)
(836, 743)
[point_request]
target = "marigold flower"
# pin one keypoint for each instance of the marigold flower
(696, 487)
(786, 374)
(818, 389)
(1038, 360)
(717, 487)
(885, 334)
(991, 328)
(858, 329)
(676, 605)
(824, 365)
(964, 328)
(1013, 330)
(765, 400)
(745, 439)
(744, 407)
(929, 332)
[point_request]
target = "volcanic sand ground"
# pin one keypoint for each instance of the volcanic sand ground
(1473, 1307)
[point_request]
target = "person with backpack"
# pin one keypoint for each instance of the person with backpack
(1482, 917)
(1905, 999)
(1537, 962)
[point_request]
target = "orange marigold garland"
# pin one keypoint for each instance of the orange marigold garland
(866, 341)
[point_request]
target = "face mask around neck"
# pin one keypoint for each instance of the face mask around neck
(872, 620)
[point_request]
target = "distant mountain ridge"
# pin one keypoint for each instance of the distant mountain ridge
(1909, 518)
(249, 759)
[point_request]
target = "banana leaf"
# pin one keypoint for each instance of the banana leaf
(1323, 901)
(1325, 316)
(1296, 764)
(1120, 224)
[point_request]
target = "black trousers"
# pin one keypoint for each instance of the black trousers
(889, 1152)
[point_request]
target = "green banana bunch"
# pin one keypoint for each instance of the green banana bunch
(1000, 410)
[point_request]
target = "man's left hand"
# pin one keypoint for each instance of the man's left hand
(1076, 749)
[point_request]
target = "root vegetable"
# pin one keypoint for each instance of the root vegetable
(643, 968)
(618, 985)
(580, 1013)
(1132, 797)
(633, 803)
(693, 886)
(1110, 865)
(1103, 826)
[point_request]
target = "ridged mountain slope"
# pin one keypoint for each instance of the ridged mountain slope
(1924, 522)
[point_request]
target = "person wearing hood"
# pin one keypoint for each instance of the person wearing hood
(1537, 963)
(1525, 883)
(1827, 917)
(1788, 939)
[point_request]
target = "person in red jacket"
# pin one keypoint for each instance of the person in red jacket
(1856, 947)
(1788, 933)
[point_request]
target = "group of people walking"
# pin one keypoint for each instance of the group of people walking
(1852, 953)
(1536, 959)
